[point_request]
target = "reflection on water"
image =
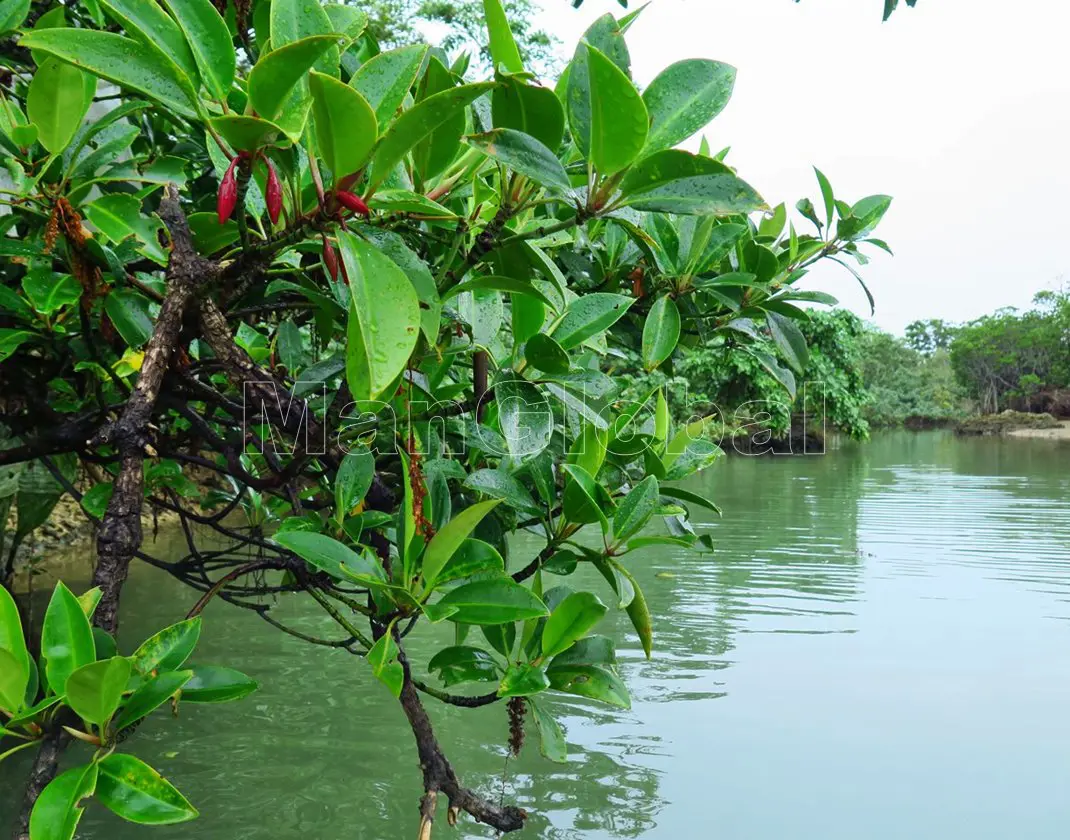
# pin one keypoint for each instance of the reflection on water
(878, 647)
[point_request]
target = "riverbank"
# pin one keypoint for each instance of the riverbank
(1061, 432)
(1008, 422)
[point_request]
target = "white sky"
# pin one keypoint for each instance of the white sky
(960, 109)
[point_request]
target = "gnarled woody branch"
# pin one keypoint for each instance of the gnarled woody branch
(119, 536)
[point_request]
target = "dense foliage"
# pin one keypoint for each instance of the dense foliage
(376, 300)
(904, 385)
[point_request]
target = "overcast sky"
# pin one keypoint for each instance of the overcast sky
(960, 109)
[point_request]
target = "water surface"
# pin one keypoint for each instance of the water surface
(879, 647)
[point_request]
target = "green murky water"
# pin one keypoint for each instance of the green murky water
(879, 648)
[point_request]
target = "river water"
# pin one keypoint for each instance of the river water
(878, 648)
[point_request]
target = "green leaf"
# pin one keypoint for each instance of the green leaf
(495, 601)
(524, 154)
(353, 480)
(639, 613)
(147, 22)
(136, 792)
(95, 499)
(292, 20)
(545, 354)
(590, 650)
(675, 181)
(15, 673)
(661, 332)
(129, 313)
(94, 690)
(826, 194)
(168, 649)
(586, 505)
(498, 484)
(619, 119)
(150, 695)
(56, 103)
(119, 216)
(525, 417)
(327, 554)
(529, 108)
(500, 284)
(589, 449)
(461, 664)
(684, 97)
(688, 496)
(503, 49)
(346, 129)
(13, 14)
(417, 123)
(59, 808)
(589, 315)
(384, 318)
(590, 681)
(551, 739)
(11, 340)
(789, 340)
(635, 510)
(523, 679)
(245, 133)
(383, 657)
(450, 538)
(211, 43)
(570, 621)
(216, 684)
(385, 80)
(48, 291)
(120, 60)
(275, 76)
(472, 558)
(66, 638)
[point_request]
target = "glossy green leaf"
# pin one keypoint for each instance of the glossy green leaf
(209, 40)
(94, 690)
(588, 450)
(572, 619)
(66, 638)
(384, 318)
(524, 154)
(525, 417)
(687, 496)
(450, 537)
(674, 181)
(551, 738)
(276, 75)
(474, 557)
(545, 354)
(590, 681)
(13, 14)
(684, 97)
(346, 128)
(136, 792)
(120, 60)
(589, 315)
(619, 119)
(216, 684)
(353, 480)
(385, 80)
(789, 340)
(639, 613)
(293, 20)
(326, 553)
(500, 284)
(345, 20)
(168, 649)
(119, 216)
(147, 22)
(661, 332)
(529, 108)
(58, 809)
(503, 49)
(498, 484)
(245, 133)
(461, 664)
(636, 509)
(150, 695)
(130, 315)
(14, 657)
(417, 123)
(826, 194)
(495, 601)
(523, 679)
(383, 659)
(586, 505)
(56, 103)
(48, 291)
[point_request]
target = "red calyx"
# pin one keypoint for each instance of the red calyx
(330, 258)
(353, 203)
(228, 193)
(274, 193)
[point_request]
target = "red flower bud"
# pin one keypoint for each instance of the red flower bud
(353, 202)
(330, 258)
(274, 193)
(228, 193)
